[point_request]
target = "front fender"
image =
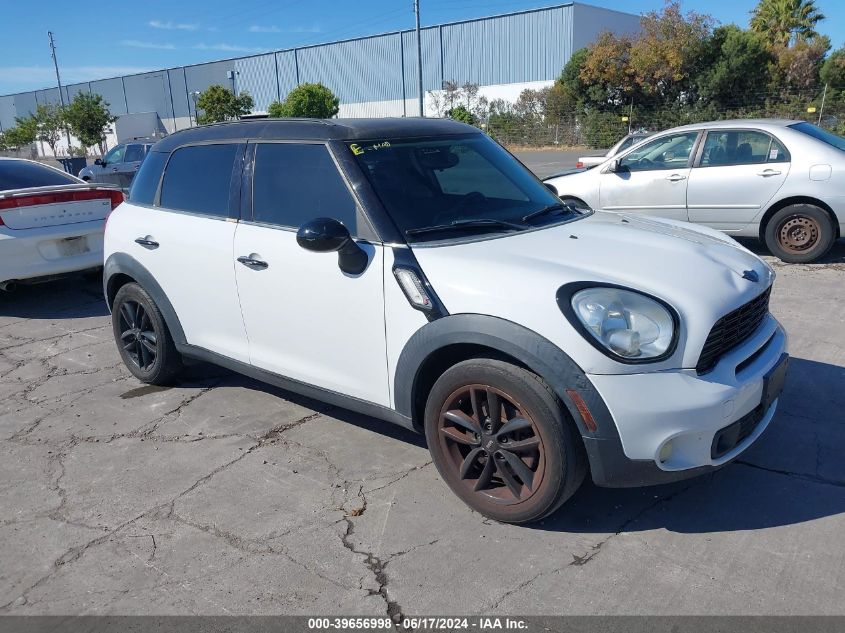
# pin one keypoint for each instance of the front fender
(526, 346)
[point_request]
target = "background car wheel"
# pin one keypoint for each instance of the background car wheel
(800, 233)
(501, 440)
(142, 337)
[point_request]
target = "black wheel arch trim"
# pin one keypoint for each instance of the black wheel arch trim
(526, 346)
(123, 264)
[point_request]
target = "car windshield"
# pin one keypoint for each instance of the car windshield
(456, 186)
(22, 174)
(821, 134)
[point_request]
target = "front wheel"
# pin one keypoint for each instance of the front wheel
(501, 440)
(800, 233)
(142, 337)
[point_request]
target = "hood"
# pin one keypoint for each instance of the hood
(696, 270)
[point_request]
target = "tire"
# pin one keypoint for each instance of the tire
(142, 338)
(480, 467)
(799, 234)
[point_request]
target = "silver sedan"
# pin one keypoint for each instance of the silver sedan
(777, 180)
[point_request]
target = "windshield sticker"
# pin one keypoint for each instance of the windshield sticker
(358, 150)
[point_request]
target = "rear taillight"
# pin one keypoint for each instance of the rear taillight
(115, 196)
(579, 165)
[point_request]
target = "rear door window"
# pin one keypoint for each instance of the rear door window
(198, 179)
(134, 153)
(740, 147)
(295, 183)
(21, 174)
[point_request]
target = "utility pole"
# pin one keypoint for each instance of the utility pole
(58, 81)
(419, 58)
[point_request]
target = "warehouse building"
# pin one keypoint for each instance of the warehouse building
(372, 76)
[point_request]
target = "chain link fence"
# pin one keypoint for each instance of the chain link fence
(602, 128)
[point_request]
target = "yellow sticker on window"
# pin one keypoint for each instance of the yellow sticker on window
(356, 149)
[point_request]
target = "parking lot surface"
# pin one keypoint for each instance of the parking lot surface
(225, 496)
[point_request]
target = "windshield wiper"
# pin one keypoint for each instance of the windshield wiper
(464, 224)
(549, 209)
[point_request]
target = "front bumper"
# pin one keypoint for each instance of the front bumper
(53, 250)
(687, 412)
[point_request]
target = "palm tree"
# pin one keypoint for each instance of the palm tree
(781, 22)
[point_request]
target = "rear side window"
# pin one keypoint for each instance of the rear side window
(297, 183)
(145, 183)
(20, 174)
(198, 179)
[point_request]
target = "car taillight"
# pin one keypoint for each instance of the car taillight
(579, 165)
(115, 196)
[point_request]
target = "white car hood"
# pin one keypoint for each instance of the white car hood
(696, 270)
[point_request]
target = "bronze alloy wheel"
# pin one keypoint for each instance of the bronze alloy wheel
(798, 233)
(492, 444)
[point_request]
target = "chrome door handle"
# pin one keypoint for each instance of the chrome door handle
(147, 242)
(251, 262)
(675, 177)
(769, 172)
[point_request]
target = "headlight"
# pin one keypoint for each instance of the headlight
(630, 325)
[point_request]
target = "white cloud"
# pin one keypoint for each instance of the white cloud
(258, 28)
(23, 78)
(155, 45)
(173, 26)
(229, 48)
(255, 28)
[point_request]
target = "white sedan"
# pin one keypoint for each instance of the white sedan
(51, 223)
(777, 180)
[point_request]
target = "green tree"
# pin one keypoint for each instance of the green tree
(88, 117)
(221, 104)
(23, 134)
(312, 101)
(783, 22)
(738, 72)
(798, 66)
(50, 121)
(666, 58)
(833, 70)
(460, 113)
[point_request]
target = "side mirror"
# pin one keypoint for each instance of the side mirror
(613, 167)
(99, 162)
(551, 187)
(326, 235)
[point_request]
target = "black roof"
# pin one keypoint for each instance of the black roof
(315, 130)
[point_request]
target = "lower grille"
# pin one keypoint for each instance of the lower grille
(734, 434)
(732, 329)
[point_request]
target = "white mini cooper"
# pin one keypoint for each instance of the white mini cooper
(414, 271)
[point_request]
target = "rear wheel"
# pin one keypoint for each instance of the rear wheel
(800, 233)
(142, 337)
(500, 439)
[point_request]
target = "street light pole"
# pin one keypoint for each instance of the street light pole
(419, 58)
(58, 81)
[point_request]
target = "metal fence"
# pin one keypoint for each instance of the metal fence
(601, 128)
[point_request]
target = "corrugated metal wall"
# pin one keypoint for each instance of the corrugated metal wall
(379, 73)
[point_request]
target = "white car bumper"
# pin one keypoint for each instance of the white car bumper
(27, 254)
(671, 419)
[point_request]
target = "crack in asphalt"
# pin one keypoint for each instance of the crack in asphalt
(372, 562)
(816, 479)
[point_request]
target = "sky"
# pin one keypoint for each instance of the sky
(106, 38)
